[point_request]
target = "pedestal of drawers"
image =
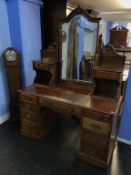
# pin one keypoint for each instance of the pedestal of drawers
(97, 137)
(35, 122)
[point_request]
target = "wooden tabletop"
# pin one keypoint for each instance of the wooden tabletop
(60, 94)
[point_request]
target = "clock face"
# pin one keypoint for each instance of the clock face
(10, 55)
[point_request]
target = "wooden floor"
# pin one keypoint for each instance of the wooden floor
(57, 154)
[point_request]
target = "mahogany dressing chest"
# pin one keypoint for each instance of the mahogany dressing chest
(58, 88)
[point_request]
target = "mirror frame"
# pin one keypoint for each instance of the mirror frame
(77, 11)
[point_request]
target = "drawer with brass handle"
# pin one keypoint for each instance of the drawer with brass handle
(97, 126)
(29, 116)
(93, 151)
(62, 107)
(29, 126)
(29, 106)
(58, 106)
(94, 138)
(28, 98)
(41, 66)
(107, 75)
(96, 116)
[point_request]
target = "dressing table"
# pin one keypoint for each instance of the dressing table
(63, 91)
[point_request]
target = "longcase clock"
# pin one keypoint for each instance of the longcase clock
(12, 64)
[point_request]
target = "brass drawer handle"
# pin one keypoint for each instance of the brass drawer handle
(94, 126)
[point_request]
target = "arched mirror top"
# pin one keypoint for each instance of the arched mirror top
(78, 36)
(80, 11)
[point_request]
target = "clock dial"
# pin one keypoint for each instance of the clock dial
(10, 55)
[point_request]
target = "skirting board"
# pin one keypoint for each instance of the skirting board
(4, 118)
(123, 140)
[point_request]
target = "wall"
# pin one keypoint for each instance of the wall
(15, 31)
(20, 28)
(5, 42)
(25, 29)
(29, 12)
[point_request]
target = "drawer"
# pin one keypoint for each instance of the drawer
(31, 107)
(41, 66)
(60, 107)
(29, 116)
(107, 75)
(93, 151)
(94, 138)
(96, 126)
(28, 98)
(96, 116)
(30, 127)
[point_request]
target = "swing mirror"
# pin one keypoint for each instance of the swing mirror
(77, 46)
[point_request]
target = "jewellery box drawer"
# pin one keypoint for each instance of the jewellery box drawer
(41, 66)
(95, 125)
(107, 75)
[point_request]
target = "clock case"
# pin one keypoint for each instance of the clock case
(14, 83)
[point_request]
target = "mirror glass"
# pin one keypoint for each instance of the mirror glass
(78, 49)
(104, 29)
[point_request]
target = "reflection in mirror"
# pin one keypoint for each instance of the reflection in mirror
(104, 29)
(78, 48)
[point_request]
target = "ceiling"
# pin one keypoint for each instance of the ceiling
(116, 10)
